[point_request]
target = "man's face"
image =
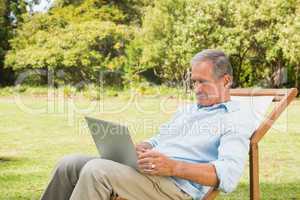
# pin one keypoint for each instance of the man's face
(207, 88)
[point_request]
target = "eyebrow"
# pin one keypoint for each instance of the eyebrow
(200, 79)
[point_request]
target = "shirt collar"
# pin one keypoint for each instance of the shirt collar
(230, 106)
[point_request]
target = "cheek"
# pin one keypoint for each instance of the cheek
(209, 89)
(212, 89)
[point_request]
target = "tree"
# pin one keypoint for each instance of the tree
(83, 38)
(250, 32)
(156, 39)
(290, 44)
(11, 12)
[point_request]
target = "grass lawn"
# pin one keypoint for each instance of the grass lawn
(32, 140)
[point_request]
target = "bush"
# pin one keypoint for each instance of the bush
(259, 37)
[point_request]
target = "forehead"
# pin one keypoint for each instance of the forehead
(202, 70)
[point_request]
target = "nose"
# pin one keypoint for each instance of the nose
(198, 87)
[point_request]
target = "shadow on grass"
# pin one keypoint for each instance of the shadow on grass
(8, 159)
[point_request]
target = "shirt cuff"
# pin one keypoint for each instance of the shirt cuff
(152, 142)
(225, 184)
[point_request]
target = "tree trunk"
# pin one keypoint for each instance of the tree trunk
(297, 76)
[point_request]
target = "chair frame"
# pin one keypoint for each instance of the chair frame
(284, 97)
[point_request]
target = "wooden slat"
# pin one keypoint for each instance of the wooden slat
(254, 172)
(258, 92)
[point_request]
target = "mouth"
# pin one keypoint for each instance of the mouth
(201, 96)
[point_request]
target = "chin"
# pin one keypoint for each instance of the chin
(203, 103)
(206, 102)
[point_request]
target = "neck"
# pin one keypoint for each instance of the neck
(225, 96)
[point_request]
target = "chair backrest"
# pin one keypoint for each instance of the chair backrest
(283, 96)
(256, 106)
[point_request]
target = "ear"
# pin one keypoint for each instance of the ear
(227, 80)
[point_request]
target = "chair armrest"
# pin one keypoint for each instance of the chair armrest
(211, 194)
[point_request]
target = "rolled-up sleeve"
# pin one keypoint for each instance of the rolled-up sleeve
(232, 154)
(153, 141)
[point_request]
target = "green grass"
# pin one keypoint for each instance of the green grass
(31, 143)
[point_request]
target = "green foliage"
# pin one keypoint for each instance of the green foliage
(132, 41)
(2, 27)
(18, 8)
(2, 12)
(82, 38)
(3, 31)
(11, 12)
(256, 35)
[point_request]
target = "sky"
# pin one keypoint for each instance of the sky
(43, 6)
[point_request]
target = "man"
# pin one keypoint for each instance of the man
(204, 145)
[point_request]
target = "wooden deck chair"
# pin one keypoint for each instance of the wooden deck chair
(284, 97)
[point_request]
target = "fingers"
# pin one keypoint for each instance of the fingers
(140, 151)
(148, 165)
(149, 153)
(148, 169)
(143, 145)
(140, 148)
(145, 161)
(149, 162)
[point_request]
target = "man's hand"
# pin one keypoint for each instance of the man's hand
(142, 147)
(155, 163)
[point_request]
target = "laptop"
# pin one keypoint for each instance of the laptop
(113, 141)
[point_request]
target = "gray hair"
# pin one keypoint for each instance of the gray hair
(220, 61)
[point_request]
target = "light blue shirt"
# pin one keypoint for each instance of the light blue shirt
(217, 134)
